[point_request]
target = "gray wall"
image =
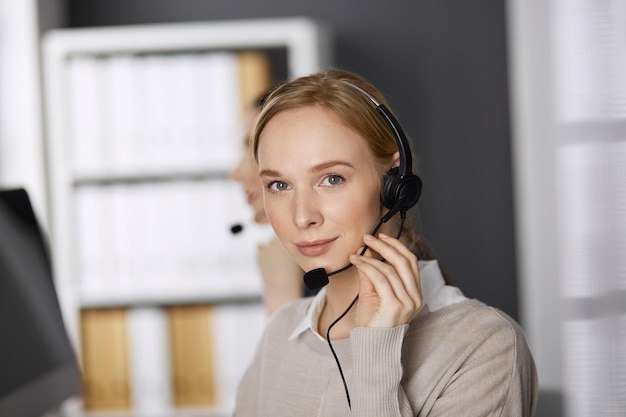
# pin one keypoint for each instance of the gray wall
(442, 65)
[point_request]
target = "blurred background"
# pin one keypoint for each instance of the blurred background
(517, 114)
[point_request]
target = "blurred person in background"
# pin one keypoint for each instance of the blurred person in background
(282, 277)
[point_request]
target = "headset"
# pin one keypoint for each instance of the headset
(401, 188)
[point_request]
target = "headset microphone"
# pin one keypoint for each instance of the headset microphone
(400, 191)
(236, 228)
(316, 278)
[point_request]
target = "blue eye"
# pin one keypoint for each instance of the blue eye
(278, 186)
(333, 179)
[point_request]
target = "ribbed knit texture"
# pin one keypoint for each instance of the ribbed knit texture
(385, 372)
(466, 359)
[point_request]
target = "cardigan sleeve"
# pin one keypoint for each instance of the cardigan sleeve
(495, 377)
(377, 372)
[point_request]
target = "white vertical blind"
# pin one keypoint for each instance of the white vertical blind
(589, 69)
(569, 109)
(588, 42)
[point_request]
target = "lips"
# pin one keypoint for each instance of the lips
(315, 247)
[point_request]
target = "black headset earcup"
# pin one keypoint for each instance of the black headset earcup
(400, 193)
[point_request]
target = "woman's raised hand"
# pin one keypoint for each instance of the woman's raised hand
(390, 292)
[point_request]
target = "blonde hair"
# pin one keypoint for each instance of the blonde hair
(325, 88)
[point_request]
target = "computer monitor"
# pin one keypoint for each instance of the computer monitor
(38, 366)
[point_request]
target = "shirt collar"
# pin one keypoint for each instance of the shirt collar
(434, 290)
(312, 316)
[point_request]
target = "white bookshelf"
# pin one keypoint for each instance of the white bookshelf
(133, 187)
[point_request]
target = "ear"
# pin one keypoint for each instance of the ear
(395, 160)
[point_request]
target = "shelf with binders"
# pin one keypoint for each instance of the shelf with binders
(151, 141)
(143, 125)
(136, 175)
(133, 113)
(164, 360)
(164, 242)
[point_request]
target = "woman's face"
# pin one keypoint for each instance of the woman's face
(320, 186)
(247, 174)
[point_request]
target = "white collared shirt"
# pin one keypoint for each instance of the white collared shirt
(436, 295)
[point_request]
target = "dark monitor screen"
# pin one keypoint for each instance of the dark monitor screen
(38, 367)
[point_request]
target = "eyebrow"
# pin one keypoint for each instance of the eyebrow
(315, 168)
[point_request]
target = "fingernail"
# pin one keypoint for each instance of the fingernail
(369, 238)
(356, 259)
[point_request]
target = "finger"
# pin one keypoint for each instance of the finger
(389, 304)
(386, 281)
(401, 258)
(371, 269)
(413, 282)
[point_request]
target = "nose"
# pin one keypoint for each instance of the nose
(306, 210)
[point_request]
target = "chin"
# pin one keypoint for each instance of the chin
(328, 268)
(306, 264)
